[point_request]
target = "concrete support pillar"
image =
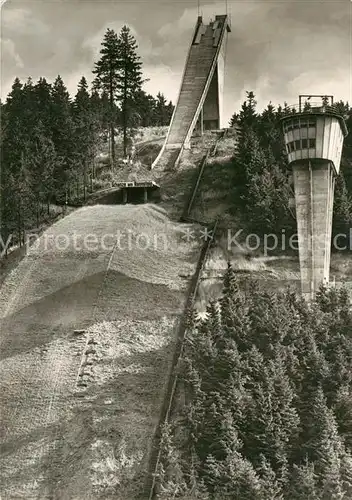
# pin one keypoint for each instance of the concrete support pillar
(211, 109)
(124, 196)
(314, 197)
(145, 195)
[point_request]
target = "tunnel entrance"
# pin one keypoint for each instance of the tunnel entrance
(130, 192)
(138, 192)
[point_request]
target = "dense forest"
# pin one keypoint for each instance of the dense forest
(49, 140)
(267, 413)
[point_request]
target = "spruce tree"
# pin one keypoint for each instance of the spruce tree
(234, 120)
(269, 484)
(86, 131)
(25, 196)
(129, 79)
(161, 112)
(342, 214)
(15, 134)
(343, 412)
(303, 482)
(43, 161)
(107, 80)
(43, 96)
(248, 114)
(144, 110)
(62, 127)
(346, 472)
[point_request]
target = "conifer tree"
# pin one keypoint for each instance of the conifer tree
(234, 325)
(342, 213)
(8, 205)
(321, 441)
(170, 476)
(346, 472)
(43, 161)
(144, 110)
(269, 484)
(63, 136)
(43, 97)
(303, 482)
(248, 112)
(15, 134)
(343, 412)
(86, 131)
(107, 71)
(24, 195)
(161, 111)
(267, 201)
(233, 477)
(234, 120)
(129, 79)
(29, 112)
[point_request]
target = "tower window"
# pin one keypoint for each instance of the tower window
(300, 144)
(307, 122)
(291, 146)
(301, 123)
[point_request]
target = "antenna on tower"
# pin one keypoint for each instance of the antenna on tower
(226, 5)
(198, 8)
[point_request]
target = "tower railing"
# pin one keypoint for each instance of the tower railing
(312, 107)
(316, 107)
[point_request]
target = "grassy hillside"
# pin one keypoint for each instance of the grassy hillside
(78, 410)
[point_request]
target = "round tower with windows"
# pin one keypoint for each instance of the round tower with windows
(314, 132)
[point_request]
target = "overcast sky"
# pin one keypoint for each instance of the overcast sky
(279, 49)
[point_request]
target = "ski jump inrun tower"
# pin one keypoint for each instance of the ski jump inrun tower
(200, 98)
(314, 134)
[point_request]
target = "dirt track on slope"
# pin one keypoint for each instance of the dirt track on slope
(78, 411)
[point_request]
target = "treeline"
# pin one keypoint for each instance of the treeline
(261, 182)
(49, 140)
(266, 381)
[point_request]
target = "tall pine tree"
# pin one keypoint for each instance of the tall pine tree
(107, 71)
(129, 79)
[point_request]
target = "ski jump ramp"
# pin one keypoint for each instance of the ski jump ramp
(199, 104)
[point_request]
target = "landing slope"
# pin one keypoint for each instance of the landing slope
(79, 410)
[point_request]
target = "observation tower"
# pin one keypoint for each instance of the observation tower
(314, 133)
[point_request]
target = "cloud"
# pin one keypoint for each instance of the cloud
(163, 79)
(9, 54)
(20, 20)
(277, 49)
(175, 29)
